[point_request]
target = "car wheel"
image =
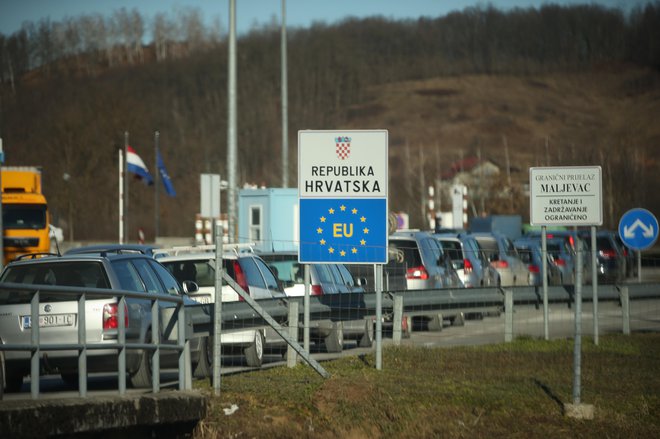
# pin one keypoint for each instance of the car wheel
(334, 342)
(254, 354)
(367, 339)
(70, 379)
(142, 377)
(204, 367)
(13, 380)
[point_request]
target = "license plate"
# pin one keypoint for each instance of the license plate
(201, 299)
(49, 321)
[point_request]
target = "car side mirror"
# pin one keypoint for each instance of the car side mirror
(190, 287)
(361, 281)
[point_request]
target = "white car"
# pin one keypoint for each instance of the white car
(249, 271)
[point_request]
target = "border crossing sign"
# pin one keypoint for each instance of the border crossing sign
(638, 229)
(342, 190)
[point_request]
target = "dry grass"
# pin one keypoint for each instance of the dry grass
(513, 390)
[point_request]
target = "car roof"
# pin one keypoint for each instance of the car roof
(146, 249)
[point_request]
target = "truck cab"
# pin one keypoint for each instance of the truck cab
(24, 212)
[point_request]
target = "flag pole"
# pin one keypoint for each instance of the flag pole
(125, 167)
(157, 191)
(121, 195)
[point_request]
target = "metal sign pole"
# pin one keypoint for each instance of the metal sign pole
(217, 317)
(306, 309)
(544, 255)
(577, 348)
(378, 282)
(594, 282)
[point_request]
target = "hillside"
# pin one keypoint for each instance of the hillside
(554, 85)
(605, 117)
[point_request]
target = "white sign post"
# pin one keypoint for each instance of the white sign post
(568, 196)
(342, 190)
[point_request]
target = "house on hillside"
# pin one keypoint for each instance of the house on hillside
(479, 176)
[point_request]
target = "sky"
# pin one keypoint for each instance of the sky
(299, 13)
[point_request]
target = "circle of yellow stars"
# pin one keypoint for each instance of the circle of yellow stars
(342, 208)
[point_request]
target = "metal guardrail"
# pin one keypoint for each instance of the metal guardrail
(337, 307)
(175, 327)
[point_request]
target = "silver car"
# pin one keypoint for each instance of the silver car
(417, 261)
(325, 280)
(468, 260)
(58, 319)
(503, 256)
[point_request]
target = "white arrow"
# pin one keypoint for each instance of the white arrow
(647, 230)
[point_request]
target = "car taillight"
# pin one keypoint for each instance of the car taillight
(111, 316)
(417, 273)
(607, 254)
(625, 252)
(317, 290)
(241, 280)
(533, 268)
(560, 262)
(467, 266)
(500, 264)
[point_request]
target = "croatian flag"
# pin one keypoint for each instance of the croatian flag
(136, 166)
(169, 187)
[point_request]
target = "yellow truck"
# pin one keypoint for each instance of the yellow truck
(24, 212)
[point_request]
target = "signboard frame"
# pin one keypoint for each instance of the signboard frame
(566, 196)
(342, 196)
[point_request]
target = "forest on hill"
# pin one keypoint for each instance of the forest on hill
(553, 85)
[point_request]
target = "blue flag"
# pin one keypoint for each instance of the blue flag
(169, 188)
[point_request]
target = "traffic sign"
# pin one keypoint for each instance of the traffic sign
(565, 196)
(342, 190)
(638, 229)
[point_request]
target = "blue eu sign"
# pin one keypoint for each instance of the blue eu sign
(346, 231)
(638, 229)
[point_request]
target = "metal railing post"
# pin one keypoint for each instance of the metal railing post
(508, 315)
(34, 360)
(291, 355)
(625, 310)
(121, 341)
(398, 319)
(82, 340)
(155, 340)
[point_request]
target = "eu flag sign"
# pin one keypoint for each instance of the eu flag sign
(343, 230)
(342, 187)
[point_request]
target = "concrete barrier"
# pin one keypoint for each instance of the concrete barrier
(150, 414)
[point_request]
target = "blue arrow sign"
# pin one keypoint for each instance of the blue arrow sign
(638, 229)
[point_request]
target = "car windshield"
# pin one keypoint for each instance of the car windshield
(24, 216)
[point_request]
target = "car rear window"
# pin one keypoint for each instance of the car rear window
(70, 274)
(404, 252)
(453, 249)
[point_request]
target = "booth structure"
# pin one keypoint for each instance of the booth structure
(268, 218)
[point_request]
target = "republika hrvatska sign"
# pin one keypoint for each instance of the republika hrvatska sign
(342, 189)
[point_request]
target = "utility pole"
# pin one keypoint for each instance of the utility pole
(231, 123)
(285, 104)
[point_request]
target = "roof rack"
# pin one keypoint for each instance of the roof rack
(173, 251)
